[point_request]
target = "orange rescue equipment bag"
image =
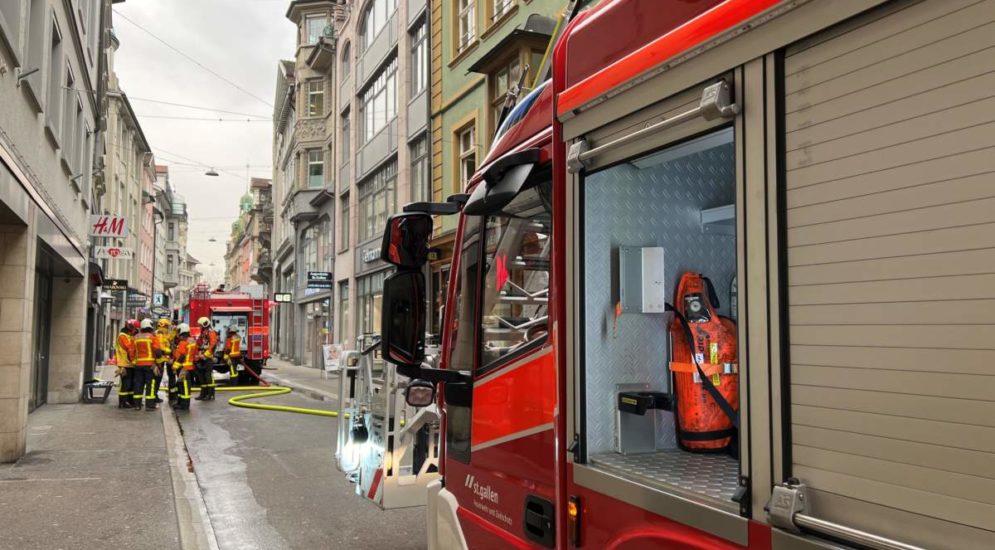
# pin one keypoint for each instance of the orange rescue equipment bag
(704, 363)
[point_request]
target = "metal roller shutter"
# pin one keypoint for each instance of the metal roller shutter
(890, 157)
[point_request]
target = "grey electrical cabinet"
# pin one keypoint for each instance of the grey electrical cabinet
(641, 288)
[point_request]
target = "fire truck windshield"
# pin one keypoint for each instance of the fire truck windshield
(513, 279)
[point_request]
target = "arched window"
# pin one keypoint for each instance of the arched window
(346, 61)
(375, 17)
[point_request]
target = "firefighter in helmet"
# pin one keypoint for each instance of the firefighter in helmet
(207, 343)
(164, 335)
(124, 356)
(184, 355)
(233, 353)
(147, 352)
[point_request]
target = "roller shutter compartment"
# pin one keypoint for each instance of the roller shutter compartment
(890, 248)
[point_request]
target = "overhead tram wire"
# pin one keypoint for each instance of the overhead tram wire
(194, 61)
(205, 119)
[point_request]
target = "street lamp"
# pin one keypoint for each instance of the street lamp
(211, 173)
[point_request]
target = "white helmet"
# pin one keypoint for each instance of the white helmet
(204, 322)
(146, 324)
(183, 328)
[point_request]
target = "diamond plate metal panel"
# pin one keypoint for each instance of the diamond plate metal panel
(653, 206)
(714, 476)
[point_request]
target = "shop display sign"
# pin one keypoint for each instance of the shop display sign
(113, 253)
(106, 225)
(283, 297)
(371, 254)
(112, 285)
(319, 279)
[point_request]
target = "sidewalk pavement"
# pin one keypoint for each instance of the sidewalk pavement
(95, 477)
(309, 381)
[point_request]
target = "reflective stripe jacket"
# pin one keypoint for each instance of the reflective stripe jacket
(208, 342)
(165, 341)
(184, 353)
(233, 346)
(146, 349)
(124, 349)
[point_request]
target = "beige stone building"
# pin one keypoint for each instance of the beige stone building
(50, 103)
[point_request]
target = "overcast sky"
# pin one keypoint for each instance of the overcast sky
(241, 40)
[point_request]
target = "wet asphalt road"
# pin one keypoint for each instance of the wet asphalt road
(270, 482)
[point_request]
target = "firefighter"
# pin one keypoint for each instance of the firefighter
(124, 356)
(184, 353)
(145, 372)
(164, 335)
(233, 353)
(207, 343)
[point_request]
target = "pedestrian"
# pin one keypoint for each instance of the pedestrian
(207, 343)
(184, 353)
(147, 353)
(164, 335)
(233, 354)
(124, 356)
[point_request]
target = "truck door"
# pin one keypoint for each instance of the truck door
(499, 453)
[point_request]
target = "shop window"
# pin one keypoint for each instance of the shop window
(647, 216)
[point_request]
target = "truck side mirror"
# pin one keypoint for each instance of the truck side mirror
(403, 318)
(419, 393)
(405, 240)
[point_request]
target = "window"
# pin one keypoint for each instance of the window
(79, 143)
(503, 80)
(466, 15)
(341, 333)
(369, 295)
(467, 154)
(346, 61)
(169, 264)
(379, 103)
(375, 18)
(376, 201)
(326, 251)
(514, 314)
(419, 171)
(501, 7)
(344, 222)
(315, 97)
(314, 28)
(345, 142)
(315, 169)
(10, 15)
(419, 60)
(55, 81)
(171, 231)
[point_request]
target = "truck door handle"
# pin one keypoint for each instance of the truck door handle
(539, 521)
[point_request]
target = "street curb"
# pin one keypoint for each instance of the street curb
(193, 520)
(313, 393)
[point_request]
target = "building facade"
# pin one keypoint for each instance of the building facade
(304, 183)
(480, 50)
(382, 123)
(248, 249)
(51, 83)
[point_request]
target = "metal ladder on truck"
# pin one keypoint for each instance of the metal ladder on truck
(257, 320)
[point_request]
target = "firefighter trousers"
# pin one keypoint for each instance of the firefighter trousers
(172, 381)
(143, 386)
(205, 378)
(124, 395)
(183, 391)
(163, 367)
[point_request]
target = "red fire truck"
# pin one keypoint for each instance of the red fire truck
(248, 310)
(821, 171)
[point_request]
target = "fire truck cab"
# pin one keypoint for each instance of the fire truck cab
(826, 166)
(248, 310)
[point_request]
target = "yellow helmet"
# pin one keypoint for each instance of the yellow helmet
(164, 323)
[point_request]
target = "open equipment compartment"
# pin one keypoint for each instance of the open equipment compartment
(681, 199)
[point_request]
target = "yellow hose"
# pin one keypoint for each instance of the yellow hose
(267, 391)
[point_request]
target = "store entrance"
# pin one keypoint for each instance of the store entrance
(41, 333)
